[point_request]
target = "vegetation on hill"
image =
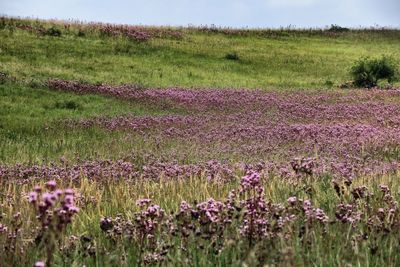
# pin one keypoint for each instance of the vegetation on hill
(187, 57)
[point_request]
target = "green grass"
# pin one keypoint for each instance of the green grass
(37, 106)
(32, 127)
(292, 60)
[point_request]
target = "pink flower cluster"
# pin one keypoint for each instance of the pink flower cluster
(136, 33)
(54, 208)
(213, 171)
(245, 212)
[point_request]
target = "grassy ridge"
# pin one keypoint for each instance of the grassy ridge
(274, 59)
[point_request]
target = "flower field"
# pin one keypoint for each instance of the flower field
(286, 178)
(141, 146)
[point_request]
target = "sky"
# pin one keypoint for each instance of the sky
(225, 13)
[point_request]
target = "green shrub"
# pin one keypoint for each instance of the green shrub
(53, 31)
(3, 77)
(81, 33)
(329, 83)
(337, 28)
(232, 56)
(67, 105)
(3, 23)
(367, 72)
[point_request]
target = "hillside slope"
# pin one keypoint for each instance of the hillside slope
(164, 57)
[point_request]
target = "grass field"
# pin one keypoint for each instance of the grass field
(282, 60)
(135, 146)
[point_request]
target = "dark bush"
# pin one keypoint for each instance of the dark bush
(329, 83)
(81, 33)
(3, 23)
(67, 105)
(337, 28)
(367, 72)
(3, 77)
(53, 31)
(232, 56)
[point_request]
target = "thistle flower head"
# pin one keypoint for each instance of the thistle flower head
(292, 200)
(39, 264)
(51, 185)
(143, 202)
(32, 197)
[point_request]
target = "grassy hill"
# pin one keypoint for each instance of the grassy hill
(188, 57)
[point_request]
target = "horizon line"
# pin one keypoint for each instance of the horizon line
(293, 27)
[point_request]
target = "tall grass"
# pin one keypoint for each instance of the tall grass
(335, 244)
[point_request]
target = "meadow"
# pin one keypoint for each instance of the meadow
(132, 146)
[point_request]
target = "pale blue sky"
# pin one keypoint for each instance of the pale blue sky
(230, 13)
